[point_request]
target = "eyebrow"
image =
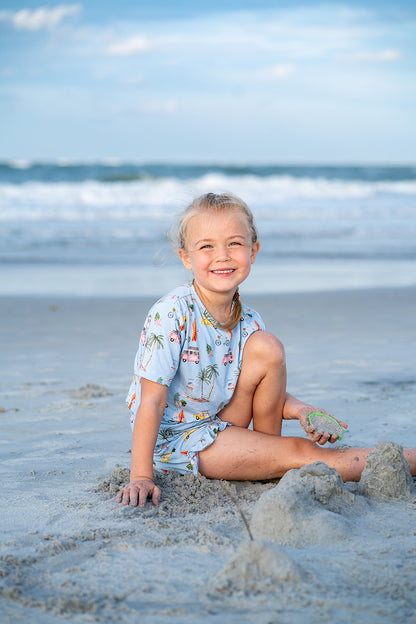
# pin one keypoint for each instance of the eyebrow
(210, 240)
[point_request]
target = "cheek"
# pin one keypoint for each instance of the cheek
(201, 264)
(196, 263)
(247, 257)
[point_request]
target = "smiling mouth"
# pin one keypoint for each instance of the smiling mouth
(223, 271)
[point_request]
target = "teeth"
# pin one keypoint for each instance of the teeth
(224, 271)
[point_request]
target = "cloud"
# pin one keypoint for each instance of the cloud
(378, 57)
(156, 107)
(135, 45)
(40, 18)
(166, 107)
(282, 70)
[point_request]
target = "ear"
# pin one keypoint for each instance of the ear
(254, 250)
(185, 259)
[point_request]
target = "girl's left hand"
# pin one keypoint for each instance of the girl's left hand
(320, 436)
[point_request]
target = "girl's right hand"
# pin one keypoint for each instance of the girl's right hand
(138, 491)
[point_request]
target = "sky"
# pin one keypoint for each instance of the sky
(182, 81)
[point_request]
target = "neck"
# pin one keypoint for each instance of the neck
(219, 306)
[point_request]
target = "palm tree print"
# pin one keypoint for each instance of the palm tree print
(153, 341)
(204, 375)
(166, 434)
(213, 372)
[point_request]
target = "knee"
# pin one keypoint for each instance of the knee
(267, 349)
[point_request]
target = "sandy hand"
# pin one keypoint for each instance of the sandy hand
(326, 431)
(138, 491)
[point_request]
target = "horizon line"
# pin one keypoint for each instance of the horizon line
(23, 163)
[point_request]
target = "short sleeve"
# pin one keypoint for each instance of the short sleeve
(158, 355)
(253, 319)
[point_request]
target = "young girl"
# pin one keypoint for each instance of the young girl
(206, 368)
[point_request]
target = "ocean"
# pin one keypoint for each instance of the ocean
(99, 229)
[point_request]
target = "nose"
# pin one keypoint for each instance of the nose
(222, 253)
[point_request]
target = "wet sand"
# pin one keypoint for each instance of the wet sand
(69, 552)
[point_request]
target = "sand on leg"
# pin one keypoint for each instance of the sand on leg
(242, 454)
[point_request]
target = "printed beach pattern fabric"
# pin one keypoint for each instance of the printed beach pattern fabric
(182, 348)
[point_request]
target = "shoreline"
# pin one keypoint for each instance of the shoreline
(125, 281)
(128, 299)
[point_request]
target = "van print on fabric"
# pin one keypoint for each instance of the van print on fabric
(182, 348)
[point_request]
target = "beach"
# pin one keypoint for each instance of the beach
(118, 118)
(70, 553)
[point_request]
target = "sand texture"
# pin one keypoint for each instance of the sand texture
(326, 425)
(323, 551)
(386, 475)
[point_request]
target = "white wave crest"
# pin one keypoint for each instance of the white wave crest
(160, 199)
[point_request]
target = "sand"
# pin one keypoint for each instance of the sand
(323, 551)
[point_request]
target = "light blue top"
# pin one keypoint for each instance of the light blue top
(182, 348)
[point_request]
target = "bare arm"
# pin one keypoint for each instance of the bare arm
(294, 409)
(293, 406)
(146, 428)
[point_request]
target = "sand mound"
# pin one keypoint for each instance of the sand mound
(313, 505)
(255, 569)
(310, 505)
(184, 494)
(118, 478)
(386, 475)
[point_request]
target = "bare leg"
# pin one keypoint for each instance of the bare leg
(261, 394)
(241, 454)
(261, 386)
(263, 453)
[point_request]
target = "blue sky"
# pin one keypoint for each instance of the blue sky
(225, 81)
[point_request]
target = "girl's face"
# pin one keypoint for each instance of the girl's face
(219, 251)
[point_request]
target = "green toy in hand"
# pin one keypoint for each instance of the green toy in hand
(327, 424)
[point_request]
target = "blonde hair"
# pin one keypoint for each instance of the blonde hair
(220, 202)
